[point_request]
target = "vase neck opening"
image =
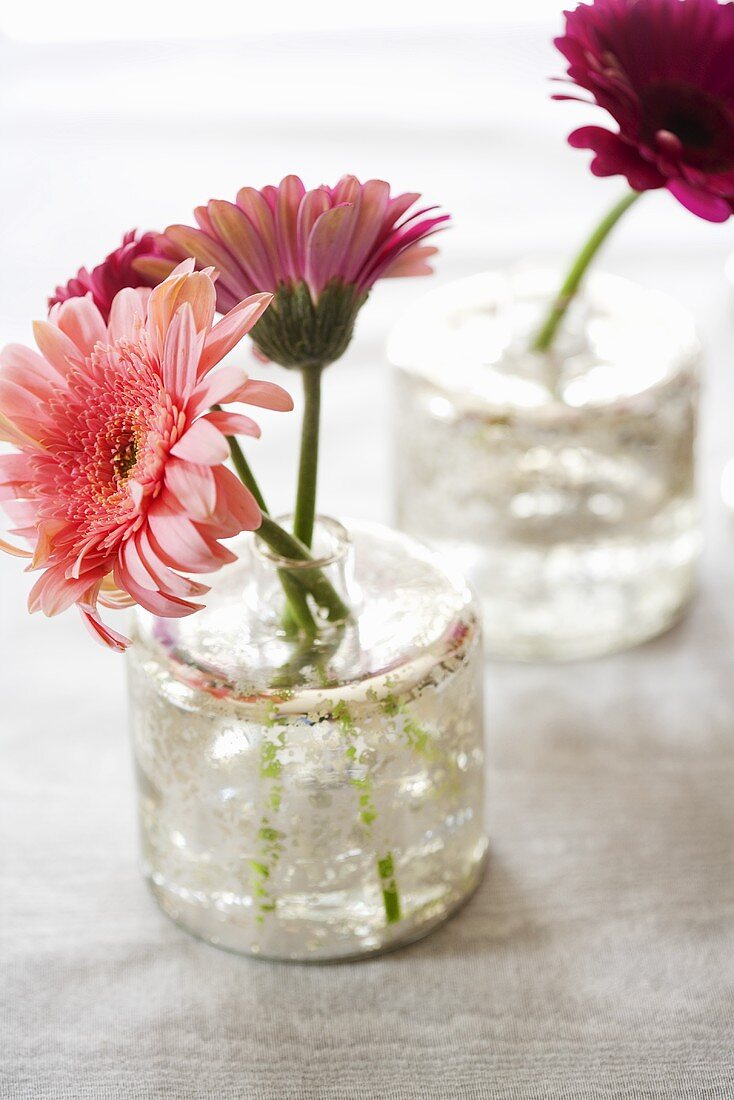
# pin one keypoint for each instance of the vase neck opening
(331, 555)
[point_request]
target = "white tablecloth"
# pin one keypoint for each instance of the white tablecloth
(597, 959)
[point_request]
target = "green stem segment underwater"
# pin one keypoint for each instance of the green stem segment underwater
(546, 333)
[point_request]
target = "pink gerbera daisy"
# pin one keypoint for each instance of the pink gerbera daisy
(117, 271)
(117, 479)
(664, 71)
(319, 252)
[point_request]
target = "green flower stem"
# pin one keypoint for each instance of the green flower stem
(546, 333)
(305, 513)
(312, 580)
(298, 610)
(244, 473)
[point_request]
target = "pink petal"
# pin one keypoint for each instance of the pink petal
(215, 389)
(243, 240)
(12, 433)
(20, 405)
(414, 261)
(29, 380)
(15, 469)
(105, 634)
(153, 268)
(167, 607)
(328, 246)
(180, 355)
(236, 508)
(266, 395)
(229, 331)
(82, 322)
(27, 365)
(128, 311)
(314, 204)
(193, 486)
(53, 592)
(197, 289)
(135, 567)
(14, 551)
(234, 424)
(290, 194)
(167, 581)
(210, 252)
(372, 205)
(113, 597)
(56, 347)
(256, 208)
(202, 443)
(180, 544)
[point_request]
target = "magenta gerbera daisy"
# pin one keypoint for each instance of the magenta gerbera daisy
(664, 71)
(117, 480)
(117, 271)
(319, 252)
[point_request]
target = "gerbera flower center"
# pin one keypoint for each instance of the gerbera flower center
(125, 457)
(702, 124)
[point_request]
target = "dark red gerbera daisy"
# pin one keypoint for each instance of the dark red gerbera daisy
(117, 271)
(664, 70)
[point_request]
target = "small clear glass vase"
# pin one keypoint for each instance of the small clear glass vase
(314, 799)
(562, 484)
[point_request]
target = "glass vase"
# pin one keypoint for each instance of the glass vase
(313, 799)
(563, 483)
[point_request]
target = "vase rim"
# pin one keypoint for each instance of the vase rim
(334, 531)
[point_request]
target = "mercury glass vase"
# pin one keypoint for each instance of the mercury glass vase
(561, 483)
(317, 799)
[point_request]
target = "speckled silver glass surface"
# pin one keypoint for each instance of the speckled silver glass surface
(562, 484)
(314, 801)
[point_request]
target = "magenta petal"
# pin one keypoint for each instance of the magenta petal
(615, 157)
(702, 203)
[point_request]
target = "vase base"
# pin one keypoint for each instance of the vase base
(351, 942)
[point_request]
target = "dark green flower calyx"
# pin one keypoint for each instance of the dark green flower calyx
(298, 333)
